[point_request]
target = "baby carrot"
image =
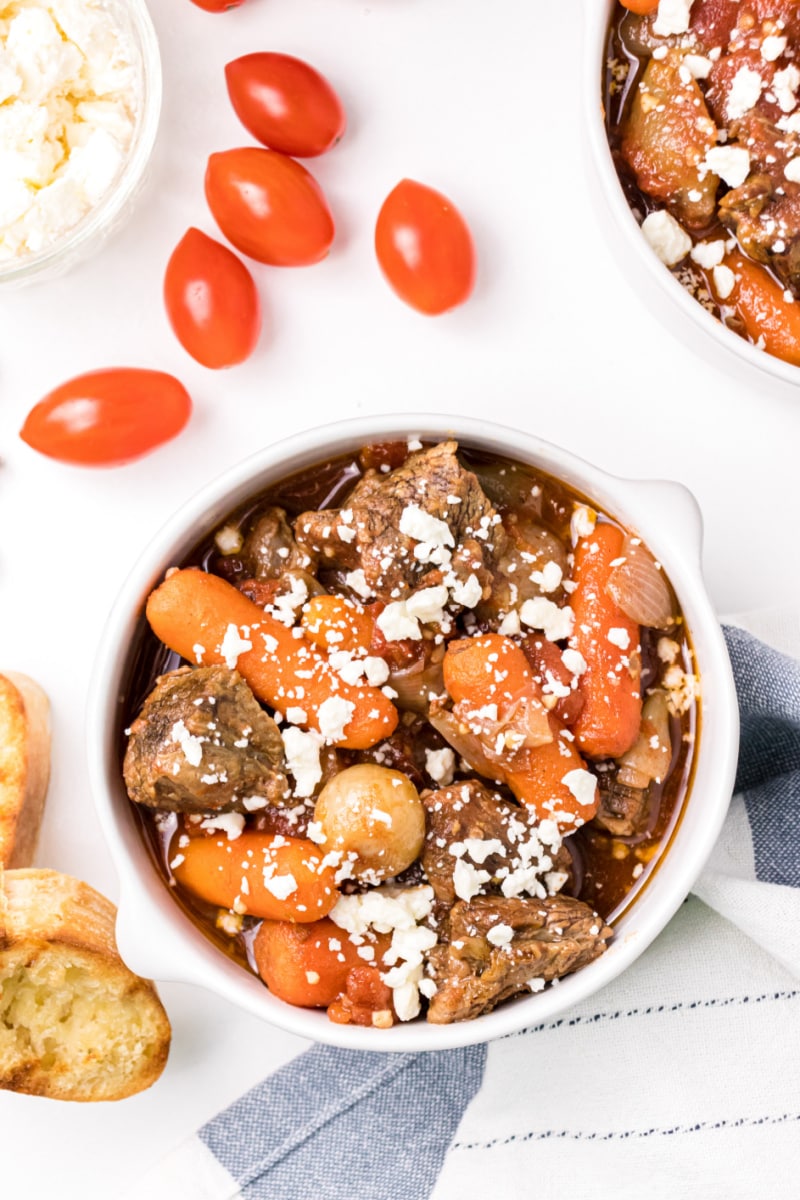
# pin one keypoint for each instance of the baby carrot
(205, 619)
(540, 784)
(762, 306)
(333, 623)
(490, 669)
(308, 965)
(261, 874)
(493, 670)
(609, 721)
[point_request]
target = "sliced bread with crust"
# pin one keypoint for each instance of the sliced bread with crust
(75, 1023)
(24, 766)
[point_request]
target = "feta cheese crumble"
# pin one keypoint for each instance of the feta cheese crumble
(666, 237)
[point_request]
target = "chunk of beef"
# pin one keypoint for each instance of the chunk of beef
(489, 831)
(203, 744)
(764, 212)
(532, 563)
(270, 549)
(538, 939)
(366, 534)
(623, 811)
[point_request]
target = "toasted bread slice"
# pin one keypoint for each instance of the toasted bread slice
(24, 766)
(75, 1023)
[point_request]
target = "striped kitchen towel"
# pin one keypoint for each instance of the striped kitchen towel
(680, 1079)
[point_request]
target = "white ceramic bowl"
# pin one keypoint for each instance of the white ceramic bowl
(116, 204)
(155, 937)
(686, 318)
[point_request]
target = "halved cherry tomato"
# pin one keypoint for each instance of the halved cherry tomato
(269, 206)
(285, 103)
(211, 301)
(108, 417)
(217, 6)
(424, 248)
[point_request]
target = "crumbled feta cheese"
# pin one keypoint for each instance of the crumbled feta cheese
(234, 644)
(468, 880)
(698, 65)
(549, 578)
(540, 613)
(420, 525)
(744, 93)
(582, 522)
(784, 85)
(191, 746)
(231, 824)
(334, 715)
(281, 886)
(792, 170)
(302, 758)
(773, 47)
(574, 661)
(582, 784)
(668, 240)
(724, 281)
(500, 935)
(440, 765)
(469, 593)
(672, 17)
(510, 625)
(708, 254)
(427, 605)
(357, 581)
(396, 623)
(731, 163)
(619, 637)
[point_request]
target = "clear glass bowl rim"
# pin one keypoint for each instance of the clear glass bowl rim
(79, 240)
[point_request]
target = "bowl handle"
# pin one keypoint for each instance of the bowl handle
(665, 502)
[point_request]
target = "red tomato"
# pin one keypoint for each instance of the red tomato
(285, 103)
(217, 5)
(108, 417)
(269, 206)
(212, 302)
(424, 248)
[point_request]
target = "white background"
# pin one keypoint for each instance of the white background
(481, 100)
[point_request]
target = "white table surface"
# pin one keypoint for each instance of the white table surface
(482, 101)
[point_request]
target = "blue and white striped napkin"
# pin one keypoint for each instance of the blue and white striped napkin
(681, 1078)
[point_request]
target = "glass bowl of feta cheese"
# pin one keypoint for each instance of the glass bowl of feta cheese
(80, 99)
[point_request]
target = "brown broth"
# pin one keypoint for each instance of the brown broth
(609, 871)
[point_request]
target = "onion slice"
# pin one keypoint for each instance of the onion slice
(649, 757)
(638, 586)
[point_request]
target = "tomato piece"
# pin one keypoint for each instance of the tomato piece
(269, 206)
(211, 301)
(424, 248)
(217, 6)
(285, 103)
(642, 7)
(105, 418)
